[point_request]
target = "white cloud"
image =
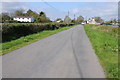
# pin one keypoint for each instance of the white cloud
(75, 11)
(104, 11)
(11, 6)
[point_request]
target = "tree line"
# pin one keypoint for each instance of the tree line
(39, 17)
(42, 18)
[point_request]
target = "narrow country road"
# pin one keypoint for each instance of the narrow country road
(67, 54)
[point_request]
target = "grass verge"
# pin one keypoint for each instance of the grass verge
(105, 43)
(18, 43)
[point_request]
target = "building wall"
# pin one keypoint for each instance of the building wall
(32, 19)
(24, 19)
(92, 21)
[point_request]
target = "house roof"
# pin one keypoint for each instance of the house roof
(23, 17)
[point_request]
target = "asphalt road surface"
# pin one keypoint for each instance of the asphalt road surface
(67, 54)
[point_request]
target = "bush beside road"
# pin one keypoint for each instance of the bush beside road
(12, 31)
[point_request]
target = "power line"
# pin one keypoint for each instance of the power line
(53, 7)
(49, 5)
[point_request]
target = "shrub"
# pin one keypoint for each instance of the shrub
(12, 31)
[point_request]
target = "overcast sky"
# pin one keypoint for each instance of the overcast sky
(53, 10)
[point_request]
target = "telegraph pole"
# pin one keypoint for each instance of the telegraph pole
(74, 16)
(86, 18)
(68, 13)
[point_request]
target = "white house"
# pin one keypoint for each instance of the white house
(58, 21)
(92, 21)
(84, 22)
(24, 19)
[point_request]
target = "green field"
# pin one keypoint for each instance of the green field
(18, 43)
(104, 40)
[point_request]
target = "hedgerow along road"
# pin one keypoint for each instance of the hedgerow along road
(68, 54)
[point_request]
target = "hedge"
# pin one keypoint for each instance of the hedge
(12, 31)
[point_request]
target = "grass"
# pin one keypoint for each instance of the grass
(105, 42)
(23, 41)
